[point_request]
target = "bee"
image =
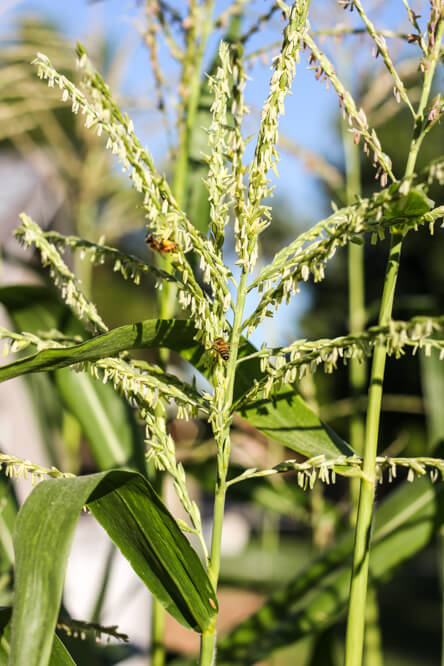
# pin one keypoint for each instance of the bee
(222, 347)
(163, 246)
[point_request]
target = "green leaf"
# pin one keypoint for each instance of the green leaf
(106, 419)
(286, 418)
(414, 204)
(318, 596)
(59, 654)
(432, 377)
(152, 333)
(138, 522)
(8, 513)
(36, 308)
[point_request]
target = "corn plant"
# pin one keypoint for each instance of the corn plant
(259, 384)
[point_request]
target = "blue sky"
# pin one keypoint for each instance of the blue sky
(311, 112)
(80, 19)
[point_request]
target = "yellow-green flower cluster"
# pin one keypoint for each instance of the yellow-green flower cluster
(29, 233)
(256, 214)
(286, 365)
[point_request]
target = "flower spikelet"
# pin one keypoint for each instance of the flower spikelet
(356, 117)
(219, 180)
(256, 214)
(29, 233)
(289, 364)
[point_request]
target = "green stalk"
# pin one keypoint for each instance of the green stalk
(356, 616)
(158, 631)
(418, 130)
(358, 588)
(158, 613)
(207, 648)
(208, 643)
(357, 369)
(357, 381)
(373, 643)
(356, 306)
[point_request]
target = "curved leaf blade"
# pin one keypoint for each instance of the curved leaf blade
(107, 421)
(152, 333)
(59, 654)
(105, 418)
(141, 526)
(286, 418)
(34, 308)
(43, 535)
(166, 562)
(8, 514)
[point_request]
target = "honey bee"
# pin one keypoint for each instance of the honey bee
(163, 246)
(222, 347)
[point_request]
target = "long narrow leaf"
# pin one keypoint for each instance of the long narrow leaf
(432, 376)
(107, 421)
(285, 418)
(59, 654)
(8, 515)
(105, 418)
(138, 522)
